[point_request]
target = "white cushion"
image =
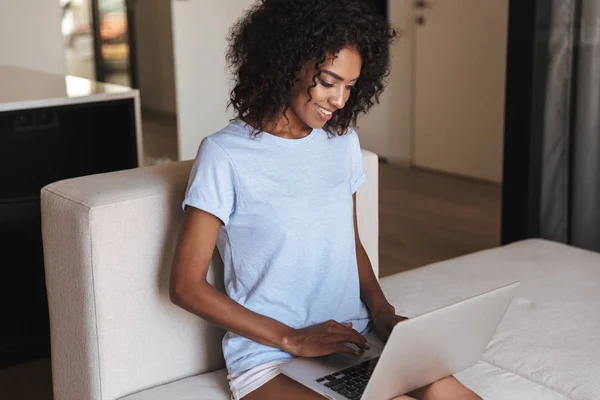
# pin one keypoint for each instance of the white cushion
(213, 386)
(551, 333)
(493, 383)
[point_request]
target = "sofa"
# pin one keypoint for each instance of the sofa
(108, 242)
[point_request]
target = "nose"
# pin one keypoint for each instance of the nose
(338, 98)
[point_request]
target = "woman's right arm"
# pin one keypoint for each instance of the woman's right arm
(190, 290)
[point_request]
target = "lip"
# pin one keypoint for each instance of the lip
(322, 115)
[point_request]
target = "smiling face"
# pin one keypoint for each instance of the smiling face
(334, 85)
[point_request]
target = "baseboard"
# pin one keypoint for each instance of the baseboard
(459, 176)
(146, 112)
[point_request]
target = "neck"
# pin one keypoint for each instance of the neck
(291, 127)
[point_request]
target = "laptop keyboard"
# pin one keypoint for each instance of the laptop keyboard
(350, 382)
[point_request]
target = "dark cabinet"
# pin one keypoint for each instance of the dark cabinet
(38, 147)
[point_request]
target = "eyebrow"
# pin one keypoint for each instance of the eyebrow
(336, 76)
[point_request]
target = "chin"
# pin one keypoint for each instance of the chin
(314, 123)
(317, 125)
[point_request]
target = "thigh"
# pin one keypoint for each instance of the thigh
(448, 388)
(282, 387)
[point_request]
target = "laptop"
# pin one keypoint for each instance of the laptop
(419, 351)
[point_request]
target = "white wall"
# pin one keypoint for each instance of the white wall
(30, 35)
(386, 129)
(202, 86)
(156, 69)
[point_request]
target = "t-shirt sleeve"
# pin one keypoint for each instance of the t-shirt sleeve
(359, 175)
(213, 182)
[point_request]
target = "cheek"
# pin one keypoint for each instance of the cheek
(319, 94)
(302, 103)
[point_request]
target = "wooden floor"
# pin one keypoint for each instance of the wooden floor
(159, 138)
(424, 218)
(427, 217)
(30, 381)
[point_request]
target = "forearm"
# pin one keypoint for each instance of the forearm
(370, 291)
(212, 305)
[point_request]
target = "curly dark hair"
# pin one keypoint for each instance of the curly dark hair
(270, 44)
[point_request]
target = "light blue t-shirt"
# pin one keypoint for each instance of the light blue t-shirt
(287, 239)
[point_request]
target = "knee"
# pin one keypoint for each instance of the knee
(447, 388)
(443, 384)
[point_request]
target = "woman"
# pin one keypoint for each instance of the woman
(275, 192)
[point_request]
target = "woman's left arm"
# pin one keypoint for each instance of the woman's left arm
(382, 312)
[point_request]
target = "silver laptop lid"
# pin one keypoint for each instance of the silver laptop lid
(439, 343)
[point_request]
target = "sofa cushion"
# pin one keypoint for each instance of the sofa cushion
(550, 335)
(488, 381)
(213, 386)
(493, 383)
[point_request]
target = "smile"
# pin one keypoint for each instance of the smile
(324, 112)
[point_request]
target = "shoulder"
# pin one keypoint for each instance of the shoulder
(350, 139)
(229, 140)
(230, 135)
(349, 136)
(354, 140)
(352, 135)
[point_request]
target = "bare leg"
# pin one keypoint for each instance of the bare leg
(282, 387)
(446, 389)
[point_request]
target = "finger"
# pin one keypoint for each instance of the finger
(341, 348)
(361, 341)
(335, 325)
(345, 326)
(358, 339)
(354, 338)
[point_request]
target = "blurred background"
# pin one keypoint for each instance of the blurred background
(97, 41)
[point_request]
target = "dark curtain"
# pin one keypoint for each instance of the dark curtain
(570, 185)
(556, 122)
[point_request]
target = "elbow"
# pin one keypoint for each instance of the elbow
(185, 295)
(176, 293)
(179, 291)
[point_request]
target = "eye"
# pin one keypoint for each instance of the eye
(326, 84)
(352, 88)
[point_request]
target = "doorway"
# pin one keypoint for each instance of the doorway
(440, 126)
(459, 66)
(99, 40)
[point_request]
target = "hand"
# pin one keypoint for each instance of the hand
(324, 339)
(385, 321)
